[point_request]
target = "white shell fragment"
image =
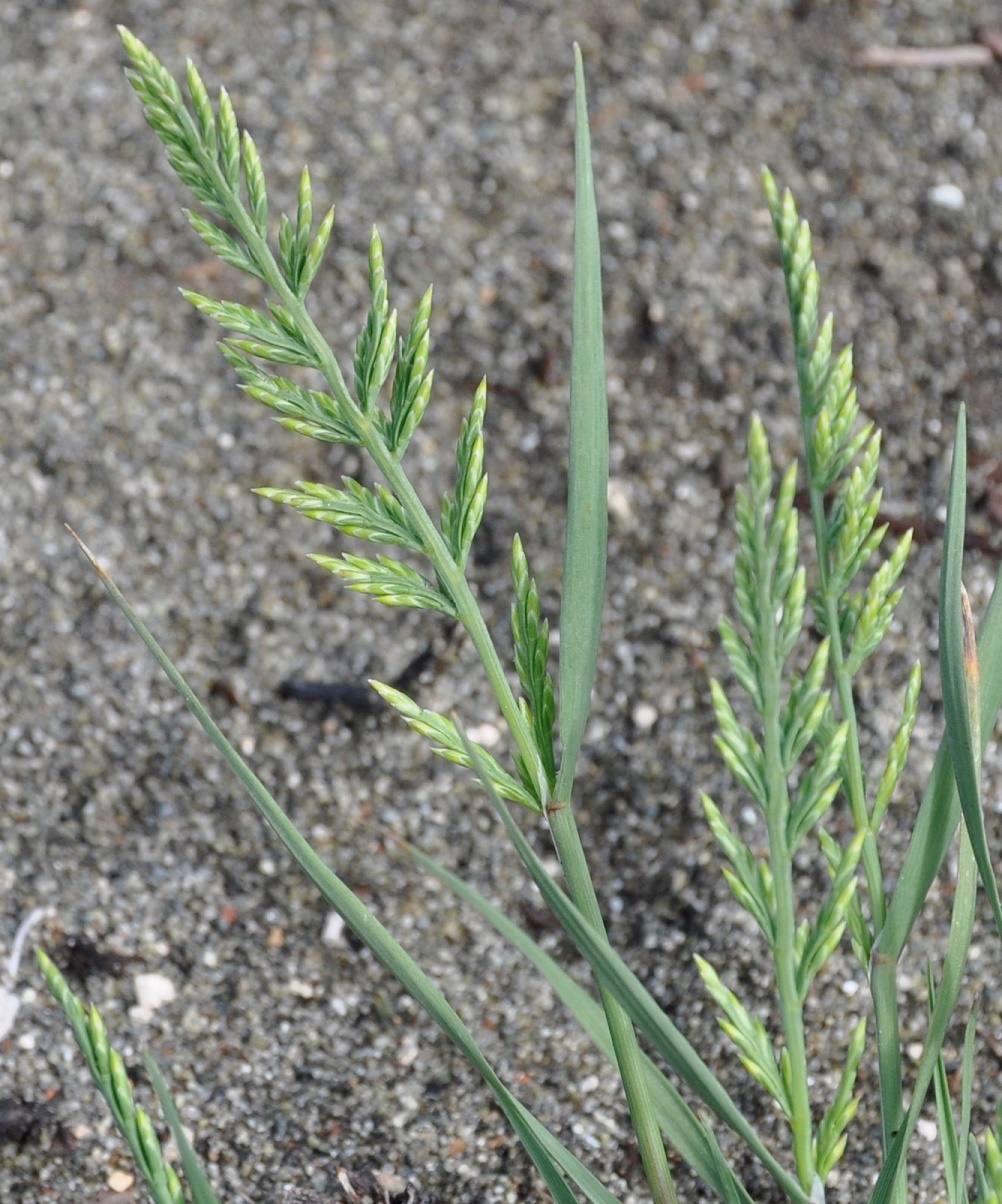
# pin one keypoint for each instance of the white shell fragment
(947, 196)
(152, 992)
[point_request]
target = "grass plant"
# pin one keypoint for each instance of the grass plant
(787, 723)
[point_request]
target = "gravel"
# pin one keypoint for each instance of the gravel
(448, 123)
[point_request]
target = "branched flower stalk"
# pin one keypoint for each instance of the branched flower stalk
(108, 1072)
(223, 170)
(841, 461)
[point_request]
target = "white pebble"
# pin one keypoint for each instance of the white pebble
(408, 1051)
(618, 496)
(487, 734)
(644, 716)
(152, 992)
(947, 196)
(333, 933)
(927, 1129)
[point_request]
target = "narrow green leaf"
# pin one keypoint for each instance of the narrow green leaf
(939, 810)
(958, 666)
(546, 1152)
(947, 993)
(984, 1193)
(195, 1176)
(932, 833)
(692, 1138)
(993, 1156)
(588, 469)
(966, 1097)
(612, 971)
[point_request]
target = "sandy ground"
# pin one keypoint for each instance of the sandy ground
(448, 123)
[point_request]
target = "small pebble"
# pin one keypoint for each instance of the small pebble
(152, 992)
(619, 499)
(947, 196)
(408, 1052)
(486, 734)
(333, 933)
(120, 1181)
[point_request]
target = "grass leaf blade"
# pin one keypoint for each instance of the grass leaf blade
(611, 971)
(959, 671)
(686, 1132)
(551, 1159)
(588, 470)
(201, 1189)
